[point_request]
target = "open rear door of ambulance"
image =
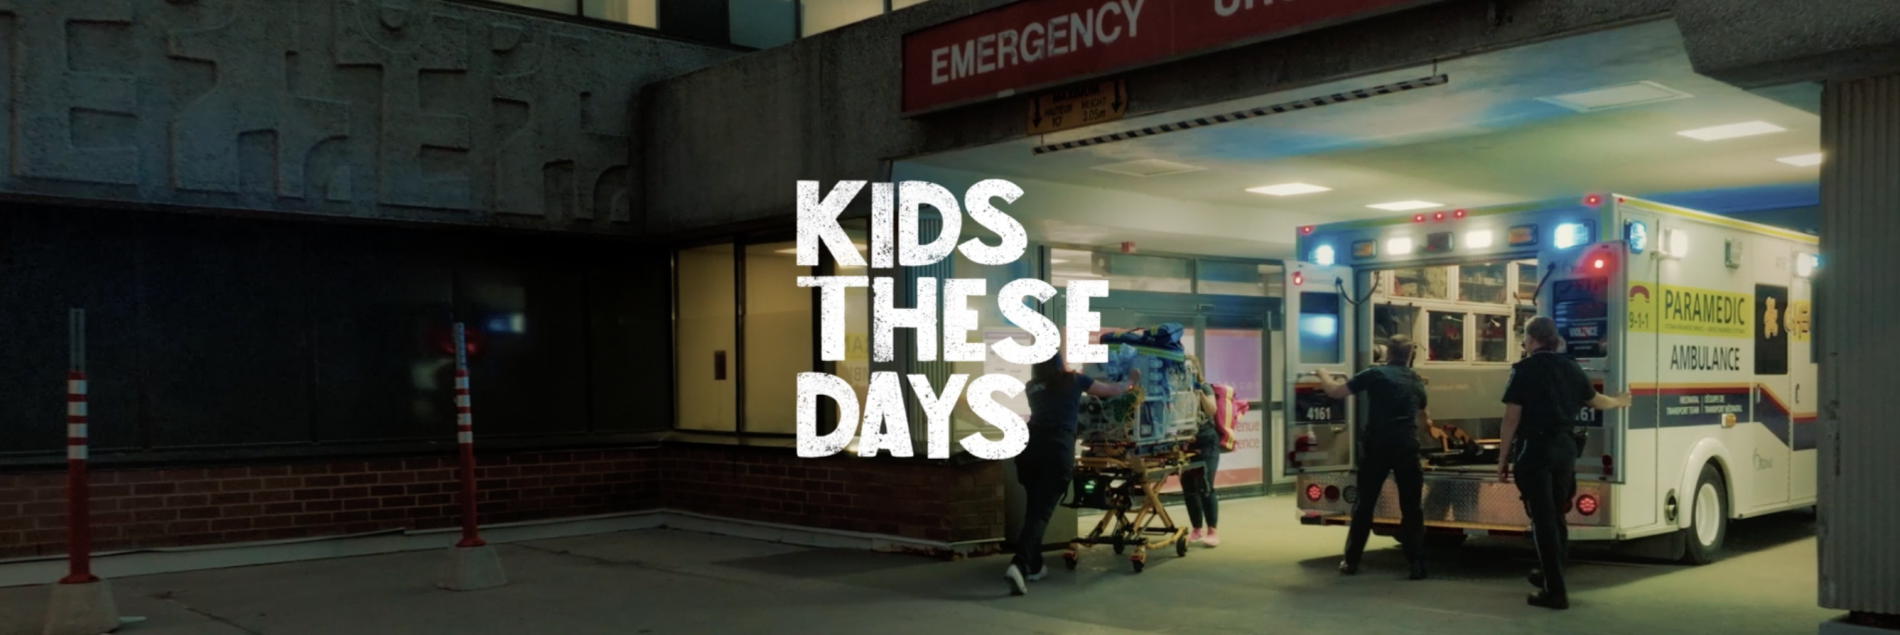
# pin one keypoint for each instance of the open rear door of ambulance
(1319, 331)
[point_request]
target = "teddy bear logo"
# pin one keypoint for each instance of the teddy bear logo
(1770, 319)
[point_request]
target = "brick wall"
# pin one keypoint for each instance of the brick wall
(141, 508)
(175, 507)
(911, 500)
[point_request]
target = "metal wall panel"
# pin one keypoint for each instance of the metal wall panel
(1856, 304)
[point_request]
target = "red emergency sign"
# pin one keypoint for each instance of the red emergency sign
(1040, 43)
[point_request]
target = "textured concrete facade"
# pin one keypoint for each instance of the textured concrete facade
(827, 107)
(387, 109)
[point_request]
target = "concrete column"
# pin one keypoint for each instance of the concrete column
(1856, 302)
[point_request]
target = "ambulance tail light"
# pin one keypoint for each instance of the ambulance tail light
(1313, 492)
(1587, 505)
(1609, 465)
(1332, 493)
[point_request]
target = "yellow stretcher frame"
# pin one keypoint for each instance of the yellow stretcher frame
(1139, 493)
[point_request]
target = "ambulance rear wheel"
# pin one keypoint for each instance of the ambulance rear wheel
(1708, 517)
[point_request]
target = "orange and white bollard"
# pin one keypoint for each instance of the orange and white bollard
(82, 603)
(473, 563)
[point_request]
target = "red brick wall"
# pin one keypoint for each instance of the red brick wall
(174, 507)
(912, 500)
(138, 508)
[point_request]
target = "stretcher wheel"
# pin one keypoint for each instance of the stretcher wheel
(1069, 560)
(1180, 546)
(1139, 564)
(1119, 548)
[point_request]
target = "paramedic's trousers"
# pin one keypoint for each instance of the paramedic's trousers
(1400, 460)
(1546, 474)
(1044, 468)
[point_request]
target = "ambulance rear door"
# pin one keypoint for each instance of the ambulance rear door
(1320, 336)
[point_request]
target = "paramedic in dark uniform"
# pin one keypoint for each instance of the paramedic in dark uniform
(1048, 462)
(1388, 445)
(1547, 392)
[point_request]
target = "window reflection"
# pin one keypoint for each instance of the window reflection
(644, 13)
(1388, 321)
(1482, 283)
(1494, 338)
(1431, 283)
(819, 16)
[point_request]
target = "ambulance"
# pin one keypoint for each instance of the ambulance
(1703, 319)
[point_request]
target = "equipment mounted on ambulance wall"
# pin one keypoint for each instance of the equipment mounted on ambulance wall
(1703, 319)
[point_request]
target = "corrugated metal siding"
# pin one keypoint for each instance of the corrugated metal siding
(1856, 301)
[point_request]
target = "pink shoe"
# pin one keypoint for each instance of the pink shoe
(1211, 540)
(1195, 537)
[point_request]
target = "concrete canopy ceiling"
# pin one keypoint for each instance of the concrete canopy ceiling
(1489, 137)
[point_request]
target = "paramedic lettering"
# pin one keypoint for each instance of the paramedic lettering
(884, 424)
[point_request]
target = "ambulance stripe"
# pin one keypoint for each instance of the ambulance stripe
(1316, 102)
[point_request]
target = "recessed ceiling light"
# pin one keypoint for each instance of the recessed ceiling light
(1147, 167)
(1802, 161)
(1731, 131)
(1288, 189)
(1402, 206)
(1620, 96)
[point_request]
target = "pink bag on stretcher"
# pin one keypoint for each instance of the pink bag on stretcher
(1227, 414)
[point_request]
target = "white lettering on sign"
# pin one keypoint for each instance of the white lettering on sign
(1585, 331)
(1060, 35)
(1225, 8)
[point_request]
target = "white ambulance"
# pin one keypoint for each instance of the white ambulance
(1703, 319)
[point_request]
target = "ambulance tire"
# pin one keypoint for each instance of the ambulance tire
(1708, 518)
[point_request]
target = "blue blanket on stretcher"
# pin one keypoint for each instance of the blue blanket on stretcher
(1161, 344)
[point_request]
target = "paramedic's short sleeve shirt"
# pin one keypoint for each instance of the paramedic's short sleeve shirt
(1057, 410)
(1551, 389)
(1396, 397)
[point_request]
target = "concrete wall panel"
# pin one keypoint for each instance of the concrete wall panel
(388, 109)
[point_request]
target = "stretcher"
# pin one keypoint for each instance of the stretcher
(1127, 488)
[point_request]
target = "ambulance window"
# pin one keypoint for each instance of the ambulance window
(1482, 283)
(1387, 321)
(1422, 282)
(1447, 337)
(1494, 338)
(1526, 281)
(1319, 328)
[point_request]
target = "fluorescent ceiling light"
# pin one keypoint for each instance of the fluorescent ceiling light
(1620, 96)
(1405, 206)
(1732, 131)
(1288, 189)
(1802, 161)
(1147, 167)
(1056, 261)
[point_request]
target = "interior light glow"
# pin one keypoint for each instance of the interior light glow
(1323, 255)
(1057, 261)
(1404, 206)
(1398, 246)
(1480, 239)
(1732, 131)
(1319, 325)
(1802, 160)
(1805, 264)
(1289, 189)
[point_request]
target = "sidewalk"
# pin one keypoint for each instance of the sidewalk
(665, 581)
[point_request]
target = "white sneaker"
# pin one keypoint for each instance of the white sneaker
(1038, 576)
(1017, 585)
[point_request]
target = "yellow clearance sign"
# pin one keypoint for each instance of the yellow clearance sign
(1673, 310)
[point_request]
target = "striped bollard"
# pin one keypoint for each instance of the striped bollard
(473, 563)
(82, 603)
(78, 499)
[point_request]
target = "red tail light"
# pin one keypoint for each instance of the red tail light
(1313, 492)
(1587, 504)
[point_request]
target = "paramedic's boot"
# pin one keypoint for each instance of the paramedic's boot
(1418, 569)
(1536, 578)
(1548, 600)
